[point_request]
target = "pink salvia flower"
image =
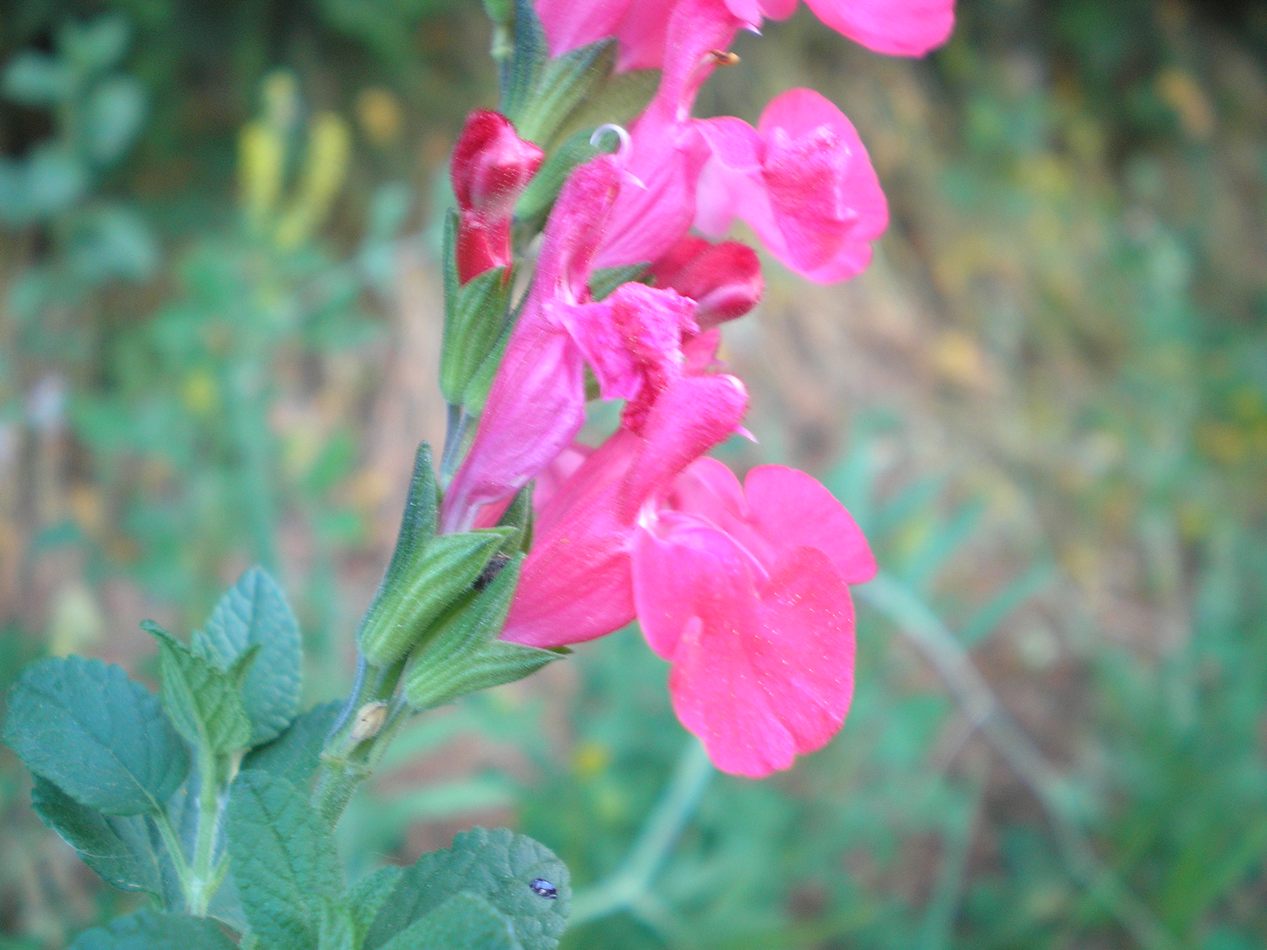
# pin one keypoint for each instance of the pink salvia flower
(745, 592)
(896, 27)
(576, 582)
(802, 180)
(632, 340)
(491, 166)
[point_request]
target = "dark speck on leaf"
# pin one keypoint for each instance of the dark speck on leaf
(491, 570)
(543, 888)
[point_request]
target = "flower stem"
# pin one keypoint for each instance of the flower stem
(633, 879)
(349, 756)
(204, 877)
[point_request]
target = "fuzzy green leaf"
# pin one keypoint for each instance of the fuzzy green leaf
(99, 736)
(538, 198)
(283, 860)
(465, 922)
(498, 868)
(475, 395)
(368, 895)
(521, 71)
(296, 753)
(565, 82)
(477, 317)
(126, 851)
(252, 613)
(203, 702)
(147, 929)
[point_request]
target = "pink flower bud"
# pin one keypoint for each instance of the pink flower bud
(491, 167)
(723, 279)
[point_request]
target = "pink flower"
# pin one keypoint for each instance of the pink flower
(802, 180)
(745, 592)
(898, 27)
(491, 166)
(576, 582)
(633, 341)
(639, 28)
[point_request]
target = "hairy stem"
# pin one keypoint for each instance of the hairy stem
(350, 754)
(204, 877)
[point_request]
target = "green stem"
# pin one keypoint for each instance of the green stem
(205, 877)
(632, 881)
(348, 758)
(171, 841)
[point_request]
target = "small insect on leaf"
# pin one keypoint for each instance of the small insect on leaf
(543, 888)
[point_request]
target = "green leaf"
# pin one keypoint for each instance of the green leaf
(368, 895)
(498, 867)
(521, 71)
(337, 927)
(254, 612)
(465, 922)
(35, 79)
(96, 45)
(476, 392)
(203, 702)
(621, 99)
(444, 570)
(283, 860)
(147, 930)
(464, 654)
(296, 753)
(604, 282)
(126, 851)
(478, 316)
(101, 737)
(112, 117)
(538, 198)
(565, 82)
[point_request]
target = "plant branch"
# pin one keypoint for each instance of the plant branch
(631, 882)
(921, 625)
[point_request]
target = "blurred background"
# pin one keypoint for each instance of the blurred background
(1046, 403)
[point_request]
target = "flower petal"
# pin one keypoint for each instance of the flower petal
(897, 27)
(762, 678)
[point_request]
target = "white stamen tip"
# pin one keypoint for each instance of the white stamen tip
(625, 142)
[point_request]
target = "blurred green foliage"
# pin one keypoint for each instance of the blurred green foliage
(211, 222)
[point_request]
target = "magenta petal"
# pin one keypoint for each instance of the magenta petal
(688, 418)
(792, 509)
(760, 681)
(569, 24)
(534, 410)
(897, 27)
(676, 561)
(633, 339)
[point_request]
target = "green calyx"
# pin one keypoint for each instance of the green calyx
(447, 567)
(463, 654)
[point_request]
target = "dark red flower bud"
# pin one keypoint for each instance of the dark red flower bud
(491, 167)
(723, 279)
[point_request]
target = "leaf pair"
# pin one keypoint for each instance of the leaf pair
(479, 893)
